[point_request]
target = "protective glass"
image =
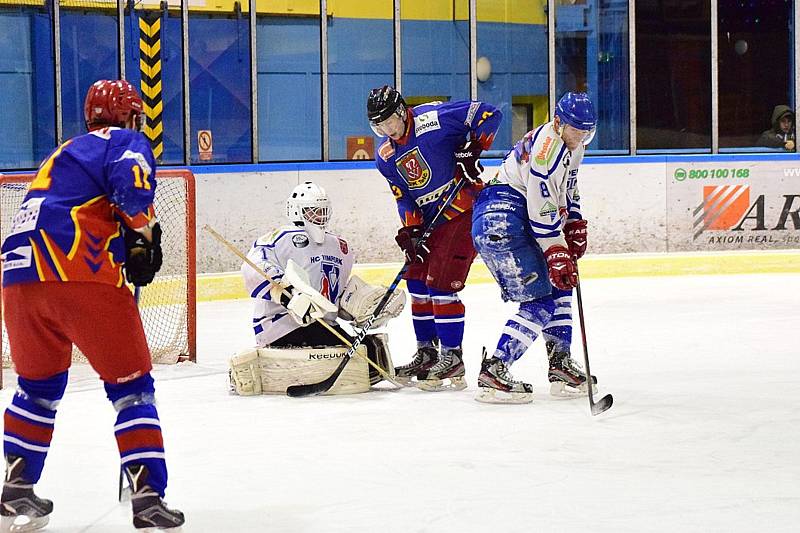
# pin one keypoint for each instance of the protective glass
(395, 124)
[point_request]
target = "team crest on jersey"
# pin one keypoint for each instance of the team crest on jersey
(343, 246)
(414, 169)
(330, 281)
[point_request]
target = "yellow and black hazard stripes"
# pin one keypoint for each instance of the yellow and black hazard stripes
(150, 66)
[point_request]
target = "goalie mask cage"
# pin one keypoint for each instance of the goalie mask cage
(168, 304)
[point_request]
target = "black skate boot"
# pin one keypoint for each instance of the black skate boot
(150, 512)
(497, 385)
(446, 374)
(19, 500)
(566, 378)
(418, 368)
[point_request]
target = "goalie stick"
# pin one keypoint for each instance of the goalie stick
(330, 328)
(606, 401)
(311, 389)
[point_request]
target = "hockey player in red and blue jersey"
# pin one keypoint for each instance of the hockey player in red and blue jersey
(423, 152)
(87, 220)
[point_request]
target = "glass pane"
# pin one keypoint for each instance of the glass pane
(435, 50)
(512, 64)
(289, 83)
(88, 53)
(673, 75)
(219, 70)
(360, 58)
(27, 131)
(163, 71)
(592, 57)
(755, 75)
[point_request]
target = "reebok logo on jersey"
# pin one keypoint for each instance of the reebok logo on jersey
(426, 122)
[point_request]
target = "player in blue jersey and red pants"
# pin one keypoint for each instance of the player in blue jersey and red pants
(423, 152)
(86, 221)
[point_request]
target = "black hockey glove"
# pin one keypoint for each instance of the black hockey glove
(467, 159)
(142, 257)
(408, 240)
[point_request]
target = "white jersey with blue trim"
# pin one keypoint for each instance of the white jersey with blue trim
(328, 266)
(542, 169)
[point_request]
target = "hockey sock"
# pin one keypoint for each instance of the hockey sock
(138, 429)
(29, 421)
(559, 329)
(523, 328)
(448, 311)
(422, 313)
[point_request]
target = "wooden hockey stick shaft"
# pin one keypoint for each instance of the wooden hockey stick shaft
(330, 328)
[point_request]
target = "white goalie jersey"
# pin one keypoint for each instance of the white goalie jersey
(328, 266)
(545, 171)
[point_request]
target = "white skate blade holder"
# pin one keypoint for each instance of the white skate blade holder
(455, 383)
(21, 523)
(492, 395)
(559, 389)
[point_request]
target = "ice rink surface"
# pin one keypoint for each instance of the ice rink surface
(704, 434)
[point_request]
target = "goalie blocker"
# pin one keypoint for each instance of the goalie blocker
(271, 370)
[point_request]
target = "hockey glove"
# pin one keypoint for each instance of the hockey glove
(467, 160)
(560, 267)
(575, 234)
(142, 257)
(408, 240)
(297, 303)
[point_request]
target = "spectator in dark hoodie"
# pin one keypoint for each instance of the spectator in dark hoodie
(782, 134)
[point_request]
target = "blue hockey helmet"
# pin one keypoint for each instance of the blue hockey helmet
(576, 109)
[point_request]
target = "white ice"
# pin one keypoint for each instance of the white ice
(703, 436)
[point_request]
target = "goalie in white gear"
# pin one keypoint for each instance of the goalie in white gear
(311, 271)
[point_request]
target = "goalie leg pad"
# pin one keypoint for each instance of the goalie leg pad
(245, 373)
(378, 352)
(282, 367)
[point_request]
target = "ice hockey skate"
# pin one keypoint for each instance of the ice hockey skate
(567, 379)
(150, 512)
(446, 374)
(497, 385)
(424, 360)
(21, 509)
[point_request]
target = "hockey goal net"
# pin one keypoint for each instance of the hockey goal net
(167, 305)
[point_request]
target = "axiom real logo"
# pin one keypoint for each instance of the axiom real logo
(729, 208)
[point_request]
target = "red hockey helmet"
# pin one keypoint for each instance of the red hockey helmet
(111, 103)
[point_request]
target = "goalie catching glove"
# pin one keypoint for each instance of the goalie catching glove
(304, 303)
(360, 299)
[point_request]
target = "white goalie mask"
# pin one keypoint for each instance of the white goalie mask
(308, 206)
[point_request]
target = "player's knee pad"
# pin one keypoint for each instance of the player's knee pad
(378, 352)
(46, 393)
(139, 391)
(540, 310)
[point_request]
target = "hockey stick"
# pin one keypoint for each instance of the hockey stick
(606, 401)
(330, 328)
(297, 391)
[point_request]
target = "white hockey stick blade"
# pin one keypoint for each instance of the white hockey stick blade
(603, 405)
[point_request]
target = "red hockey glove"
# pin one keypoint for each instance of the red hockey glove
(467, 160)
(560, 267)
(407, 239)
(575, 234)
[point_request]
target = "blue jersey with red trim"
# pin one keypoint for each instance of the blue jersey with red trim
(68, 226)
(421, 168)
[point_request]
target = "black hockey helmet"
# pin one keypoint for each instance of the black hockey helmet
(383, 102)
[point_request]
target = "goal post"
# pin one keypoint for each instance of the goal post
(168, 304)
